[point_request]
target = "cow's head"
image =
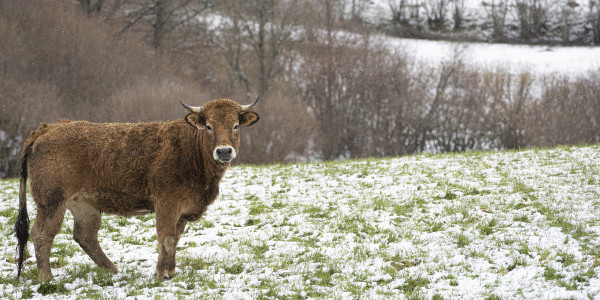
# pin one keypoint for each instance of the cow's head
(220, 122)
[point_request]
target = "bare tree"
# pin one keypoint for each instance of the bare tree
(162, 17)
(533, 16)
(259, 31)
(458, 14)
(436, 14)
(497, 10)
(567, 13)
(426, 125)
(406, 17)
(594, 20)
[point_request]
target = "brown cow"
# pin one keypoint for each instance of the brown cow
(172, 168)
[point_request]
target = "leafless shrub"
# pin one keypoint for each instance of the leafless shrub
(22, 105)
(568, 112)
(350, 85)
(286, 132)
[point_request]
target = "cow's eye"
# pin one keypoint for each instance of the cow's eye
(208, 127)
(236, 127)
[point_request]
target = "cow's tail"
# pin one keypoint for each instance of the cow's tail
(22, 223)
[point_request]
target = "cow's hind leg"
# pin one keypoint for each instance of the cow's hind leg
(85, 232)
(46, 226)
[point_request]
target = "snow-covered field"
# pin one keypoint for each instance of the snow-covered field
(496, 225)
(537, 60)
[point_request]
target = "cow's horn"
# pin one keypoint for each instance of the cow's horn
(249, 106)
(194, 109)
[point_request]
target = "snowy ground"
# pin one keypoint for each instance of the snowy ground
(509, 225)
(538, 60)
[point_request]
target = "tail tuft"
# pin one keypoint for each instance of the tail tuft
(22, 234)
(22, 223)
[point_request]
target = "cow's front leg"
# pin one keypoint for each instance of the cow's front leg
(167, 227)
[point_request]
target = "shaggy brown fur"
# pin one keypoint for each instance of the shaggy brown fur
(125, 169)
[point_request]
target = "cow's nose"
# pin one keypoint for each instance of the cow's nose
(224, 153)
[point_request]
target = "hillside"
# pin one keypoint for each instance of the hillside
(495, 225)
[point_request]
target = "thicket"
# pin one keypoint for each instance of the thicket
(326, 94)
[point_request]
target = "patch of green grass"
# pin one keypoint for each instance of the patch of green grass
(489, 227)
(584, 277)
(521, 218)
(399, 262)
(203, 224)
(236, 268)
(462, 240)
(323, 275)
(566, 259)
(403, 209)
(196, 263)
(449, 195)
(81, 271)
(10, 213)
(27, 292)
(252, 222)
(436, 226)
(122, 221)
(11, 280)
(52, 287)
(103, 278)
(565, 226)
(133, 240)
(147, 217)
(278, 205)
(414, 283)
(524, 248)
(569, 286)
(62, 251)
(453, 282)
(316, 212)
(259, 208)
(356, 224)
(382, 202)
(251, 197)
(516, 262)
(521, 187)
(30, 273)
(259, 250)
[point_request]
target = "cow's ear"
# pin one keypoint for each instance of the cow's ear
(196, 120)
(248, 118)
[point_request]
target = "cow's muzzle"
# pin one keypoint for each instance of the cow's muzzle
(224, 154)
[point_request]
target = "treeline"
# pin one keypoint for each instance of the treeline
(326, 95)
(568, 22)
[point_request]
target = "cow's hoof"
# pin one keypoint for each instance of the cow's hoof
(42, 277)
(165, 276)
